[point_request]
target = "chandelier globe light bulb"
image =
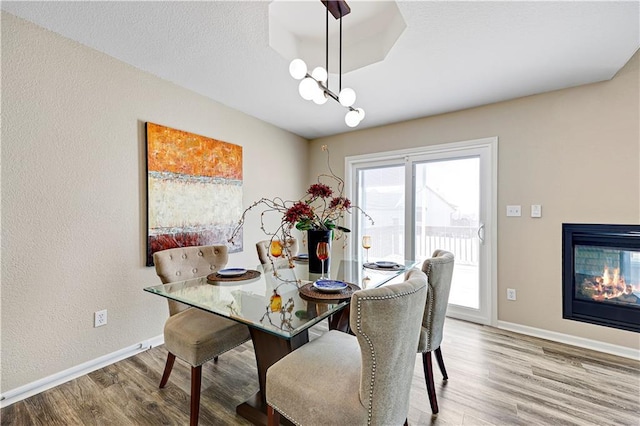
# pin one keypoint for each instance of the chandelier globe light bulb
(352, 118)
(320, 97)
(298, 69)
(347, 97)
(307, 88)
(320, 74)
(361, 113)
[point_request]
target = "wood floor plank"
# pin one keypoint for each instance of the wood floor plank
(496, 378)
(50, 408)
(85, 399)
(16, 414)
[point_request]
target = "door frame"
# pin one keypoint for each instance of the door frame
(488, 209)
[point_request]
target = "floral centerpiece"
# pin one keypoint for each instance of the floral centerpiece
(320, 209)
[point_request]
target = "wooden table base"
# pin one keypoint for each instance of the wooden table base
(269, 349)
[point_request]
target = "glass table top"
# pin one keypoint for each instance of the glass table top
(272, 302)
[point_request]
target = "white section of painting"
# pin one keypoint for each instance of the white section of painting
(192, 204)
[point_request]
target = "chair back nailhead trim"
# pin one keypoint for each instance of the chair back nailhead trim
(372, 352)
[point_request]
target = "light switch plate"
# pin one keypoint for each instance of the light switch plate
(536, 210)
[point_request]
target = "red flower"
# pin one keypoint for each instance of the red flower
(340, 202)
(320, 190)
(298, 211)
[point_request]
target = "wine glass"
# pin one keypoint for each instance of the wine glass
(366, 244)
(275, 248)
(322, 252)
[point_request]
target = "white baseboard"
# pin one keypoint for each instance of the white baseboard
(581, 342)
(33, 388)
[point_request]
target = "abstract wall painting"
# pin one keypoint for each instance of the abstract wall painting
(194, 190)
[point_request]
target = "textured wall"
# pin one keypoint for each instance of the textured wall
(575, 151)
(73, 196)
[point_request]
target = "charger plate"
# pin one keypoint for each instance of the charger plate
(309, 292)
(249, 275)
(395, 267)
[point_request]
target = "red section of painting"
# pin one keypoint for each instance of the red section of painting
(186, 239)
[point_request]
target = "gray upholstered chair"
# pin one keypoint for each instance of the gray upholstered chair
(191, 334)
(344, 379)
(264, 253)
(439, 270)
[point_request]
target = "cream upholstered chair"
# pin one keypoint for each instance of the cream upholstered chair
(342, 379)
(264, 253)
(439, 270)
(191, 334)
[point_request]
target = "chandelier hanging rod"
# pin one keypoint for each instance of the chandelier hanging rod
(315, 85)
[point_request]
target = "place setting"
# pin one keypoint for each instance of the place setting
(325, 288)
(233, 274)
(384, 265)
(381, 265)
(301, 257)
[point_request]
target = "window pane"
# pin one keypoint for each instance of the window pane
(381, 195)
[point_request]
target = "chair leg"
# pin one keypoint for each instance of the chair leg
(441, 364)
(171, 358)
(196, 380)
(428, 377)
(215, 359)
(273, 417)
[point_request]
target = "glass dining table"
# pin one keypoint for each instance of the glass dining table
(279, 307)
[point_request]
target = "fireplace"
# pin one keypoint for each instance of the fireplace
(601, 274)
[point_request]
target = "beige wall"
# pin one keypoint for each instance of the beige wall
(73, 196)
(575, 151)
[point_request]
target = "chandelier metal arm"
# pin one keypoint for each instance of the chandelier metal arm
(329, 93)
(340, 65)
(326, 44)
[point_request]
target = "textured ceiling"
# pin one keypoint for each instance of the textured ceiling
(452, 55)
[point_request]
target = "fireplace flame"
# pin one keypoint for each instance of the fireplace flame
(611, 287)
(606, 277)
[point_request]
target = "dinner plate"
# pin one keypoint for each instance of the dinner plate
(232, 272)
(329, 286)
(301, 257)
(386, 264)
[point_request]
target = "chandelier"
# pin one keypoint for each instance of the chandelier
(315, 86)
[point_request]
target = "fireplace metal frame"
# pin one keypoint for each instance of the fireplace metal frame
(609, 236)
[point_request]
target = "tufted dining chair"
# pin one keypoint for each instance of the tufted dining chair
(365, 378)
(191, 334)
(439, 270)
(264, 253)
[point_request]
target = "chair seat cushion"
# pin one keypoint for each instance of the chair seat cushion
(308, 384)
(196, 336)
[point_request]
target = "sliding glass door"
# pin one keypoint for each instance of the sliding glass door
(439, 197)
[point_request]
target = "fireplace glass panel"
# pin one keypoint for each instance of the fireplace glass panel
(607, 275)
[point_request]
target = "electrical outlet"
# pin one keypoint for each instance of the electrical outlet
(511, 294)
(514, 211)
(100, 318)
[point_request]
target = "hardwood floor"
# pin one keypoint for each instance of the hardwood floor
(495, 378)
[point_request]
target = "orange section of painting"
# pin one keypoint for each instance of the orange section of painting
(176, 151)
